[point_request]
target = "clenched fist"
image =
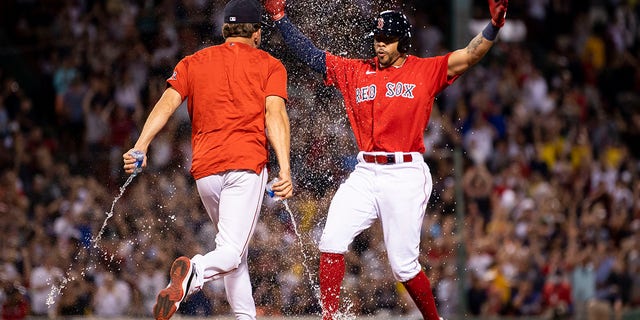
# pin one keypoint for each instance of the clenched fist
(275, 8)
(498, 10)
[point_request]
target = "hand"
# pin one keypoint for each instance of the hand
(275, 8)
(283, 187)
(130, 162)
(498, 10)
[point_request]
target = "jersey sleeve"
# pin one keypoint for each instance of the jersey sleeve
(441, 69)
(179, 80)
(338, 70)
(277, 80)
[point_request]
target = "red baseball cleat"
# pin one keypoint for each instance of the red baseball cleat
(182, 275)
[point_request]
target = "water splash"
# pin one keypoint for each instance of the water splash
(98, 236)
(56, 289)
(305, 256)
(346, 315)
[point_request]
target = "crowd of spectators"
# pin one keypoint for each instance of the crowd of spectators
(542, 217)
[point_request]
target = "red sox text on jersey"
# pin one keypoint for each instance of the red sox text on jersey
(394, 89)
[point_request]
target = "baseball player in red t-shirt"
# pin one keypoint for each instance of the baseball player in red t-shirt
(236, 101)
(388, 100)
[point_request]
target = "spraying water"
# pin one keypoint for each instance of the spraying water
(305, 257)
(98, 236)
(57, 289)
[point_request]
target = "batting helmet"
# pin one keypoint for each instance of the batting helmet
(394, 24)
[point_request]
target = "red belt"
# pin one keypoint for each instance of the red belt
(386, 158)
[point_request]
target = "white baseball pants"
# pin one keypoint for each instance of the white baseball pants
(397, 194)
(233, 200)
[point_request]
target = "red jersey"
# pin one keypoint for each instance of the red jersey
(389, 108)
(226, 87)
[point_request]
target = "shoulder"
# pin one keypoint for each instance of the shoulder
(267, 56)
(432, 59)
(204, 51)
(428, 62)
(200, 54)
(264, 57)
(336, 59)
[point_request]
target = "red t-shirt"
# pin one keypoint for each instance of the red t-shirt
(226, 87)
(389, 108)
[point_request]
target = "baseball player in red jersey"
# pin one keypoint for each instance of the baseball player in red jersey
(388, 100)
(236, 101)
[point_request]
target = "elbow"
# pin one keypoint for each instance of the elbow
(473, 60)
(459, 69)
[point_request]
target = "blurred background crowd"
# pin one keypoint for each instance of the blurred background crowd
(540, 218)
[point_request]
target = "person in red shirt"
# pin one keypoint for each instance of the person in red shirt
(15, 306)
(388, 101)
(235, 96)
(556, 295)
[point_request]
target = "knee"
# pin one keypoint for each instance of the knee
(330, 245)
(403, 272)
(229, 259)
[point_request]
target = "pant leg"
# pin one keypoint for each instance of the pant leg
(405, 190)
(233, 201)
(237, 284)
(352, 211)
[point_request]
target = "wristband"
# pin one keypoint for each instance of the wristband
(490, 32)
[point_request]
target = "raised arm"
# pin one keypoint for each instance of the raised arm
(462, 59)
(301, 46)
